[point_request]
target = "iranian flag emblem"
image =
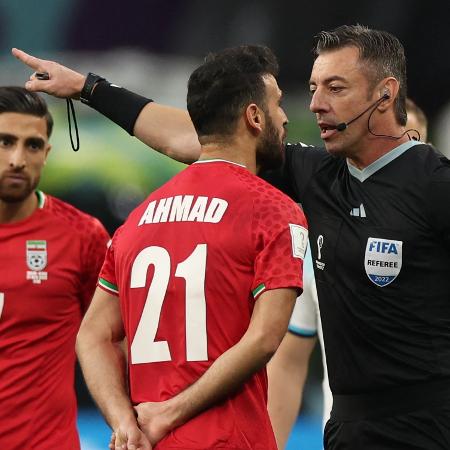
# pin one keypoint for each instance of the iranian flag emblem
(36, 255)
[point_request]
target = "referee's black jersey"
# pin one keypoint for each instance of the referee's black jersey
(380, 242)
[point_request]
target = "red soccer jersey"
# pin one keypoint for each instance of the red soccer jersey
(49, 267)
(188, 265)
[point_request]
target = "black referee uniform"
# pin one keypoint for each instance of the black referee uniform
(380, 242)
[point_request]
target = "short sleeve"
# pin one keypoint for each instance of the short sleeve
(304, 319)
(280, 236)
(108, 278)
(94, 243)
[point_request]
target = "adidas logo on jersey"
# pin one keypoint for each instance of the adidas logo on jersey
(358, 212)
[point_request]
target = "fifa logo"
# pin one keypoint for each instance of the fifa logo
(383, 246)
(319, 264)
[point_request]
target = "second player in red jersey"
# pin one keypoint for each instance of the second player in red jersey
(49, 264)
(50, 256)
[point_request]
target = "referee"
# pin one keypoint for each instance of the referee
(376, 201)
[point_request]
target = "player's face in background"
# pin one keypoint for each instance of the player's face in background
(414, 124)
(340, 90)
(23, 152)
(270, 148)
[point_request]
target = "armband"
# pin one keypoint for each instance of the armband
(114, 102)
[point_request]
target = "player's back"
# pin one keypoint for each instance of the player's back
(187, 264)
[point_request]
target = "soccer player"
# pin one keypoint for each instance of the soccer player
(375, 203)
(288, 369)
(202, 277)
(417, 120)
(50, 258)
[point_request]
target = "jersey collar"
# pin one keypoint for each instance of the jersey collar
(363, 174)
(203, 161)
(41, 198)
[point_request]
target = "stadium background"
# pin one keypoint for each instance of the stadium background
(151, 47)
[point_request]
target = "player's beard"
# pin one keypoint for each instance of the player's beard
(12, 194)
(269, 151)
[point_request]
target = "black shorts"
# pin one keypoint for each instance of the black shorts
(408, 418)
(420, 430)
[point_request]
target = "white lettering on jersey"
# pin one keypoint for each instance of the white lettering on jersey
(183, 208)
(198, 210)
(299, 237)
(36, 251)
(162, 210)
(383, 260)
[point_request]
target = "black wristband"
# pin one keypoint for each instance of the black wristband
(118, 104)
(91, 80)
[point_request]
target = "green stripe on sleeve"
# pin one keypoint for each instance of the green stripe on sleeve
(258, 290)
(109, 286)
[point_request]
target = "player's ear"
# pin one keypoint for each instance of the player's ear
(254, 118)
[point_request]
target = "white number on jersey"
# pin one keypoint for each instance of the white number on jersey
(2, 302)
(144, 348)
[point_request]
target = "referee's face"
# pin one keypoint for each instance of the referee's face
(339, 92)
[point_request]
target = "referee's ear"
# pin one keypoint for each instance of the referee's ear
(389, 86)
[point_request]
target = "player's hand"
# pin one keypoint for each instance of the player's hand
(129, 438)
(154, 420)
(63, 82)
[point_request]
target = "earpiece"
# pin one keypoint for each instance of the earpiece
(386, 94)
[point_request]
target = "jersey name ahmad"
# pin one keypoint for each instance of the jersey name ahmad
(383, 260)
(184, 208)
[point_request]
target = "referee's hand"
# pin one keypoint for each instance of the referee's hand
(57, 80)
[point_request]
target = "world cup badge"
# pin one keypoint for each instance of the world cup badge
(36, 252)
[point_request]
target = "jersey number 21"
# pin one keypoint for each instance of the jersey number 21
(144, 348)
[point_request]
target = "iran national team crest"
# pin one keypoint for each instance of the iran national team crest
(36, 260)
(383, 260)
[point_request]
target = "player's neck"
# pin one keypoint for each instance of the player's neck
(15, 211)
(228, 152)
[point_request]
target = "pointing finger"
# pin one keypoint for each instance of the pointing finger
(29, 60)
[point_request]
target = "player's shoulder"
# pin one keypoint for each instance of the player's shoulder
(70, 217)
(301, 147)
(272, 206)
(258, 190)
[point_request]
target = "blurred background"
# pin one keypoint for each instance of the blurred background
(151, 47)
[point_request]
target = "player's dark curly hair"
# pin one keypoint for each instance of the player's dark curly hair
(226, 83)
(382, 52)
(18, 100)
